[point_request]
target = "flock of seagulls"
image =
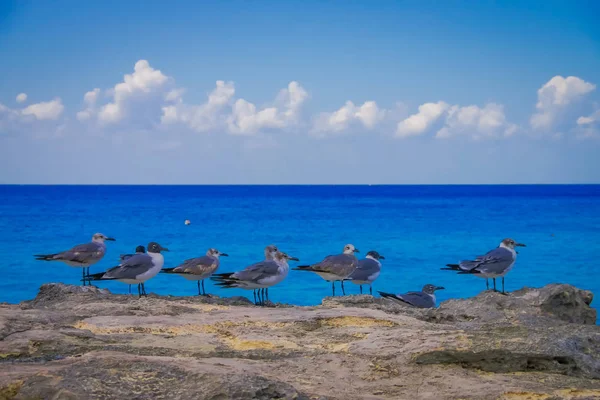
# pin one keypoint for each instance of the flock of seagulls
(146, 263)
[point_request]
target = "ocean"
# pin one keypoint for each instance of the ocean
(417, 228)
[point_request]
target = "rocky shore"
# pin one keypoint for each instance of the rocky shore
(86, 343)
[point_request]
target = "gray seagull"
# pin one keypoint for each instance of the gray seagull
(335, 268)
(423, 299)
(367, 271)
(138, 250)
(261, 275)
(136, 269)
(494, 264)
(199, 268)
(82, 255)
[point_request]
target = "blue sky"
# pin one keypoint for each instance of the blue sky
(299, 92)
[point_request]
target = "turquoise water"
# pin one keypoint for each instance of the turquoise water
(417, 228)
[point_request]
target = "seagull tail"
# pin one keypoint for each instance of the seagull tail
(310, 268)
(45, 257)
(222, 277)
(451, 267)
(96, 277)
(167, 270)
(469, 271)
(390, 296)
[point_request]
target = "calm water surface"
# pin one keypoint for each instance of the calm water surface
(417, 228)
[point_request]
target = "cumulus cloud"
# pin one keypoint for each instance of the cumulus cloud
(246, 119)
(591, 119)
(90, 99)
(477, 122)
(143, 81)
(21, 98)
(203, 117)
(368, 114)
(554, 96)
(45, 110)
(420, 122)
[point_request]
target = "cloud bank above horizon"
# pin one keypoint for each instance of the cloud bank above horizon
(149, 99)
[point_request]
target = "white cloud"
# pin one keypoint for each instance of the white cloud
(367, 114)
(21, 97)
(554, 96)
(246, 120)
(594, 117)
(45, 110)
(477, 122)
(203, 117)
(420, 122)
(142, 82)
(90, 99)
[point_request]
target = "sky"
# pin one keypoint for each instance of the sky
(299, 92)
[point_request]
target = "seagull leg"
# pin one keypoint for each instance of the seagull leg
(503, 286)
(144, 290)
(487, 284)
(83, 276)
(494, 279)
(371, 290)
(360, 289)
(333, 288)
(203, 290)
(343, 291)
(254, 293)
(199, 293)
(267, 292)
(139, 290)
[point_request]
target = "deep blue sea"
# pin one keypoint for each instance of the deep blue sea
(417, 228)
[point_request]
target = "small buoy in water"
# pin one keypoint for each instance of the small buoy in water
(187, 222)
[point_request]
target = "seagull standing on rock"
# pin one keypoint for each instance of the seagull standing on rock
(136, 269)
(335, 268)
(261, 275)
(494, 264)
(138, 250)
(82, 255)
(423, 299)
(199, 268)
(367, 271)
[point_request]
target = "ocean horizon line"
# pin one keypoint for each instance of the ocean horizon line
(299, 184)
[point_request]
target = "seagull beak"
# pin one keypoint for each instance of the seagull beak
(356, 250)
(520, 245)
(110, 239)
(381, 257)
(293, 258)
(163, 249)
(224, 254)
(439, 288)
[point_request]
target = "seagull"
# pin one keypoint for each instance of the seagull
(199, 268)
(367, 271)
(261, 275)
(138, 250)
(136, 269)
(494, 264)
(335, 268)
(82, 255)
(423, 299)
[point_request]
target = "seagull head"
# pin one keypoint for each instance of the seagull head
(154, 247)
(101, 237)
(350, 249)
(430, 289)
(281, 256)
(270, 252)
(510, 244)
(140, 249)
(375, 255)
(216, 253)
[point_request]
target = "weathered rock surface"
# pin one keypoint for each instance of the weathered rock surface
(85, 343)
